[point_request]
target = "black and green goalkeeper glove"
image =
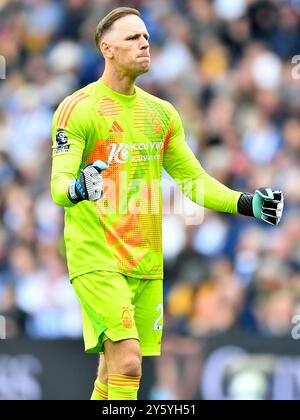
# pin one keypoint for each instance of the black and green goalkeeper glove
(265, 204)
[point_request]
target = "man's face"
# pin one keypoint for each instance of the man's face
(126, 45)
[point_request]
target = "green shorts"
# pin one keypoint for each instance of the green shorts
(118, 307)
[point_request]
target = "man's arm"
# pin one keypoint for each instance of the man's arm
(68, 136)
(195, 183)
(186, 170)
(69, 184)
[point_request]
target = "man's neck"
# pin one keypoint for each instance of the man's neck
(119, 83)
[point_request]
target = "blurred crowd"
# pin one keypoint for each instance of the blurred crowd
(230, 68)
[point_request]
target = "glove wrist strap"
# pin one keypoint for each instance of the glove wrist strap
(245, 205)
(72, 192)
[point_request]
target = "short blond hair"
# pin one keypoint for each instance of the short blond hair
(106, 23)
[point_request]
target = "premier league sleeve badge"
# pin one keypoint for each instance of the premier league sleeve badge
(62, 141)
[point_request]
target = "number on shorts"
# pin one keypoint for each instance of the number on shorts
(160, 308)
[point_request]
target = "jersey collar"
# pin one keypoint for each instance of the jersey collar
(128, 100)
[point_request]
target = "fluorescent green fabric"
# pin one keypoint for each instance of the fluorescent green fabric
(123, 387)
(137, 136)
(118, 308)
(100, 391)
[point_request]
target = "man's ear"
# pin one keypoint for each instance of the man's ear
(106, 49)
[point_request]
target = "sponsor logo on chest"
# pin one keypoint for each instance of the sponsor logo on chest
(137, 151)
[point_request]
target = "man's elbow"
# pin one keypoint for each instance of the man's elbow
(60, 197)
(57, 199)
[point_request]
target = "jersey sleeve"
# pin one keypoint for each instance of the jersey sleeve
(69, 133)
(186, 170)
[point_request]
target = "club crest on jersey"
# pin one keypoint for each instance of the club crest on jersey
(61, 138)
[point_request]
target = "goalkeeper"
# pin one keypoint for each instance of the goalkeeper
(111, 141)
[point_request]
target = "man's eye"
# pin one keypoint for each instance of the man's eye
(132, 37)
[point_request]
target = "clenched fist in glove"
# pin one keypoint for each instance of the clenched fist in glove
(265, 204)
(89, 185)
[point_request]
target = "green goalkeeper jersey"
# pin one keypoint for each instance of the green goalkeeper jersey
(137, 136)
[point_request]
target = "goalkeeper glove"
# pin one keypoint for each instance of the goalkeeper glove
(89, 185)
(266, 205)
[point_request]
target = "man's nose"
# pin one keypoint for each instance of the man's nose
(144, 44)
